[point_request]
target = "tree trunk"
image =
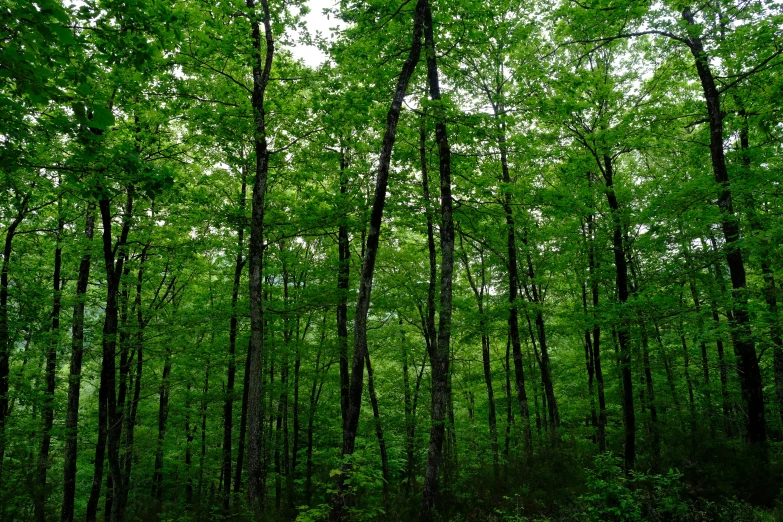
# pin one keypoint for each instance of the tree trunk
(255, 446)
(370, 255)
(740, 328)
(47, 410)
(163, 413)
(441, 355)
(228, 405)
(378, 427)
(75, 375)
(621, 282)
(5, 336)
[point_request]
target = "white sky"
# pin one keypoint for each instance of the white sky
(316, 21)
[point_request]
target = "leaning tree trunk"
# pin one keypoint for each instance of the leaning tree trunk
(371, 253)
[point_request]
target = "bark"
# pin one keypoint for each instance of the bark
(343, 284)
(485, 355)
(47, 409)
(228, 405)
(75, 375)
(513, 288)
(739, 327)
(544, 363)
(621, 282)
(163, 413)
(596, 334)
(371, 253)
(242, 427)
(378, 427)
(255, 446)
(767, 272)
(5, 337)
(441, 355)
(110, 423)
(202, 458)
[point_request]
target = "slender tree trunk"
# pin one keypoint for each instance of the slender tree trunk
(621, 267)
(596, 333)
(5, 334)
(371, 252)
(75, 375)
(378, 427)
(202, 458)
(513, 288)
(47, 410)
(228, 405)
(189, 436)
(163, 412)
(242, 426)
(441, 354)
(255, 446)
(343, 285)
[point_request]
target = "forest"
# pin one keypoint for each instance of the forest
(490, 260)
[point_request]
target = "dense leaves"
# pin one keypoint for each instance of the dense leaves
(557, 227)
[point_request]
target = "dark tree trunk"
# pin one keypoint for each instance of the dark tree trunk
(343, 284)
(441, 355)
(621, 282)
(378, 427)
(5, 334)
(371, 252)
(163, 413)
(189, 436)
(513, 288)
(110, 423)
(75, 375)
(242, 427)
(740, 328)
(485, 354)
(228, 405)
(255, 446)
(47, 409)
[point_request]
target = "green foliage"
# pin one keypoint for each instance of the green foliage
(617, 496)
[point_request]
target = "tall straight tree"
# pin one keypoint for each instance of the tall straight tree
(441, 354)
(262, 68)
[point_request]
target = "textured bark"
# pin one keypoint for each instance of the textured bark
(343, 284)
(440, 358)
(739, 327)
(256, 474)
(371, 253)
(75, 375)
